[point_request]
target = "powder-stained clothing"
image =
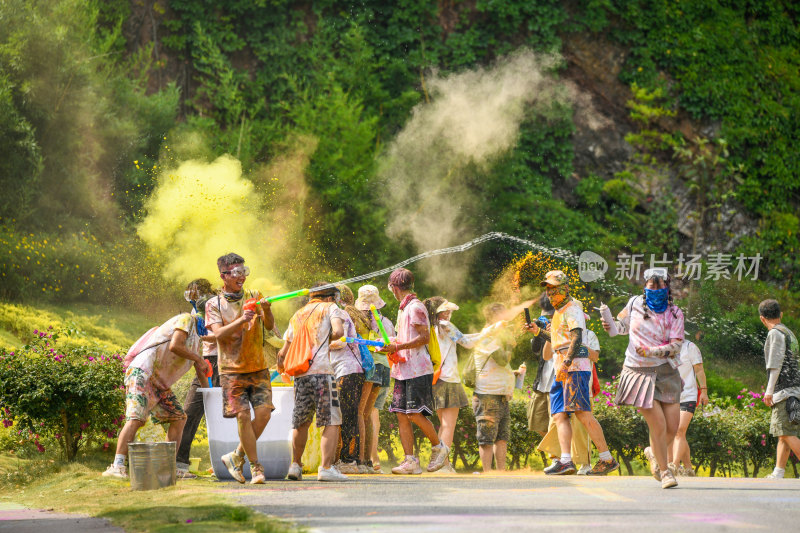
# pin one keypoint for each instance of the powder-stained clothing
(651, 332)
(163, 366)
(449, 336)
(143, 398)
(240, 391)
(321, 333)
(492, 417)
(492, 361)
(243, 351)
(375, 335)
(781, 352)
(418, 361)
(564, 320)
(690, 356)
(347, 359)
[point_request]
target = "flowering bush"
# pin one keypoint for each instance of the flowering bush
(71, 396)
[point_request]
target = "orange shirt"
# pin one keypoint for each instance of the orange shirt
(242, 352)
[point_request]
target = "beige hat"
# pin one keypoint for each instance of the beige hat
(369, 295)
(446, 306)
(555, 278)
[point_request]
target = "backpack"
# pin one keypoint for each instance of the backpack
(299, 357)
(436, 354)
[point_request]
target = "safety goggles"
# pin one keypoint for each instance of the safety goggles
(659, 272)
(237, 272)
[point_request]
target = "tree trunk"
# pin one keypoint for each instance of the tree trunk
(628, 465)
(712, 467)
(69, 451)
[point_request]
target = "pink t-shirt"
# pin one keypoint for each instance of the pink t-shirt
(418, 361)
(657, 330)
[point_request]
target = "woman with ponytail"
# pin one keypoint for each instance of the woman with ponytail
(650, 379)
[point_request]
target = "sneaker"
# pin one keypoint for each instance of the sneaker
(330, 474)
(346, 468)
(651, 458)
(686, 472)
(364, 469)
(584, 470)
(408, 466)
(553, 466)
(376, 469)
(447, 469)
(439, 456)
(234, 464)
(768, 476)
(602, 468)
(561, 469)
(257, 472)
(295, 472)
(118, 472)
(668, 479)
(180, 473)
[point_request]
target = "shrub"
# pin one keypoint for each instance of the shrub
(72, 397)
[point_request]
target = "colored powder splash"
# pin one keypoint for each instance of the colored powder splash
(473, 117)
(201, 211)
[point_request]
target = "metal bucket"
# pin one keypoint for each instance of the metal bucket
(152, 465)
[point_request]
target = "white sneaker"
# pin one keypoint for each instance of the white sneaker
(768, 476)
(651, 458)
(439, 456)
(118, 472)
(408, 466)
(584, 470)
(257, 472)
(447, 469)
(330, 474)
(364, 469)
(347, 468)
(295, 472)
(234, 464)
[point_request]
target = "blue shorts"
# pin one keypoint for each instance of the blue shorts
(573, 396)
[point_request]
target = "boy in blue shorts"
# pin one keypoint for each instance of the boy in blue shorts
(571, 390)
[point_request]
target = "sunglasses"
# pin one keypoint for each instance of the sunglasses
(237, 272)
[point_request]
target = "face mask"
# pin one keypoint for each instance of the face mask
(557, 295)
(187, 295)
(657, 299)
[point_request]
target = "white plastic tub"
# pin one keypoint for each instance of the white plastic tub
(274, 445)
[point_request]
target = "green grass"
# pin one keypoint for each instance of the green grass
(79, 488)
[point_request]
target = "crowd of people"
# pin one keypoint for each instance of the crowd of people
(341, 385)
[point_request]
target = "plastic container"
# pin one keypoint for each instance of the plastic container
(152, 465)
(605, 312)
(274, 446)
(520, 378)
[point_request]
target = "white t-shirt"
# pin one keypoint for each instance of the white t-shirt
(493, 378)
(655, 330)
(449, 336)
(322, 361)
(346, 360)
(690, 356)
(164, 366)
(563, 322)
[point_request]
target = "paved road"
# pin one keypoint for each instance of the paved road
(20, 519)
(499, 503)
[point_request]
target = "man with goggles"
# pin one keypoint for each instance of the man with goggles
(243, 367)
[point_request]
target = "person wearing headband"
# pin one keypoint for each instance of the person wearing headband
(650, 379)
(243, 364)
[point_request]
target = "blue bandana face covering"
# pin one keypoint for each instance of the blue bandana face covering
(657, 299)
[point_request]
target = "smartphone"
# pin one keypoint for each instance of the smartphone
(527, 316)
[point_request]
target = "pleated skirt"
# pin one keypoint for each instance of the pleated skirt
(640, 386)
